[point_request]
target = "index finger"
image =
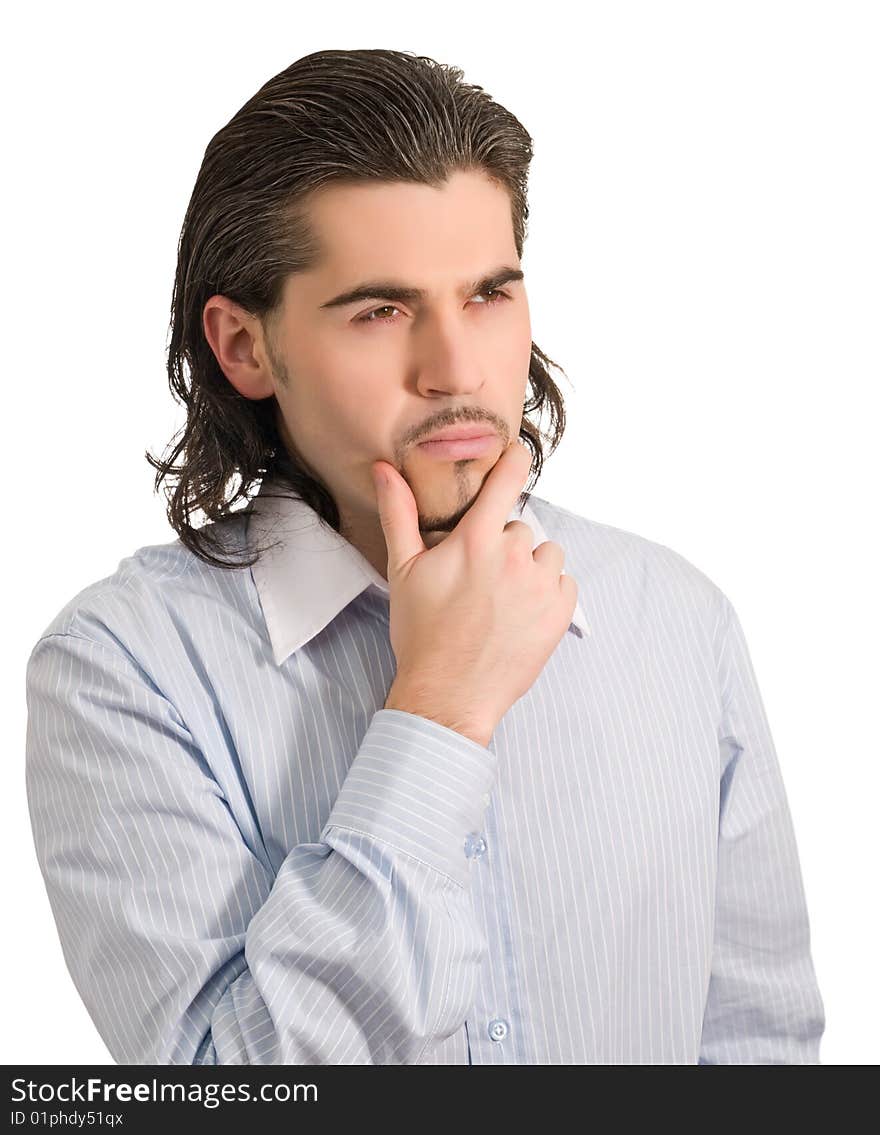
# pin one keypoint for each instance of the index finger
(486, 517)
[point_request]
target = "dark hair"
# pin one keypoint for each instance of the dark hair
(331, 117)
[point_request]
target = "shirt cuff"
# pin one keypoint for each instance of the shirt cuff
(418, 786)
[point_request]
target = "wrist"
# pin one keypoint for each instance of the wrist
(409, 700)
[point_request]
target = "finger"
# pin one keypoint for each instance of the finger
(487, 516)
(551, 554)
(399, 516)
(569, 588)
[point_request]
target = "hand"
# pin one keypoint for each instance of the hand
(474, 619)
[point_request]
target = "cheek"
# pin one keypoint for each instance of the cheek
(360, 397)
(351, 413)
(525, 330)
(512, 339)
(516, 358)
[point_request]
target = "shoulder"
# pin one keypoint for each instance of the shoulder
(601, 551)
(157, 585)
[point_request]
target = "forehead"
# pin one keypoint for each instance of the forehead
(410, 230)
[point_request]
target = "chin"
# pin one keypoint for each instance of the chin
(440, 512)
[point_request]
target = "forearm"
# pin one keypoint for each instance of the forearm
(186, 945)
(424, 699)
(369, 952)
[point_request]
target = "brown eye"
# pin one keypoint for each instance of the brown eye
(368, 317)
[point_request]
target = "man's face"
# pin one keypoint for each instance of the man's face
(371, 378)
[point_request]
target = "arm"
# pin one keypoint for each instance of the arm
(763, 1004)
(183, 944)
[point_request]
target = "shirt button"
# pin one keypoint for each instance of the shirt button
(498, 1029)
(470, 843)
(479, 847)
(486, 799)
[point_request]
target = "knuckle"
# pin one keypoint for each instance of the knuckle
(520, 539)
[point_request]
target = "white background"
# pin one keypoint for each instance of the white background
(702, 260)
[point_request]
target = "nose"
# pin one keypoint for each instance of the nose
(447, 359)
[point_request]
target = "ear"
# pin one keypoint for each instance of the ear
(236, 338)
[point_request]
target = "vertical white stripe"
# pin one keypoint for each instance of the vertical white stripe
(254, 862)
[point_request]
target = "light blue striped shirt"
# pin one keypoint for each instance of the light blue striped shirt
(250, 861)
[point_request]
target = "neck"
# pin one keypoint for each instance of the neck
(366, 534)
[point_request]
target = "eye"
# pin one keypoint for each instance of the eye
(498, 298)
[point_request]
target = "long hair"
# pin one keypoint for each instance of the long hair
(331, 117)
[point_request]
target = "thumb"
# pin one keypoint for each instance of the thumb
(399, 515)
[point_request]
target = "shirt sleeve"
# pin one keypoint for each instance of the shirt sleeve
(185, 946)
(763, 1004)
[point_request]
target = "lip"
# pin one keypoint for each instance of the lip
(458, 433)
(449, 449)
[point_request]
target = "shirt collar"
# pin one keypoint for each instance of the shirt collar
(314, 572)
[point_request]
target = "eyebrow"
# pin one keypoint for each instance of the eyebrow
(392, 290)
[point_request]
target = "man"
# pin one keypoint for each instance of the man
(441, 776)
